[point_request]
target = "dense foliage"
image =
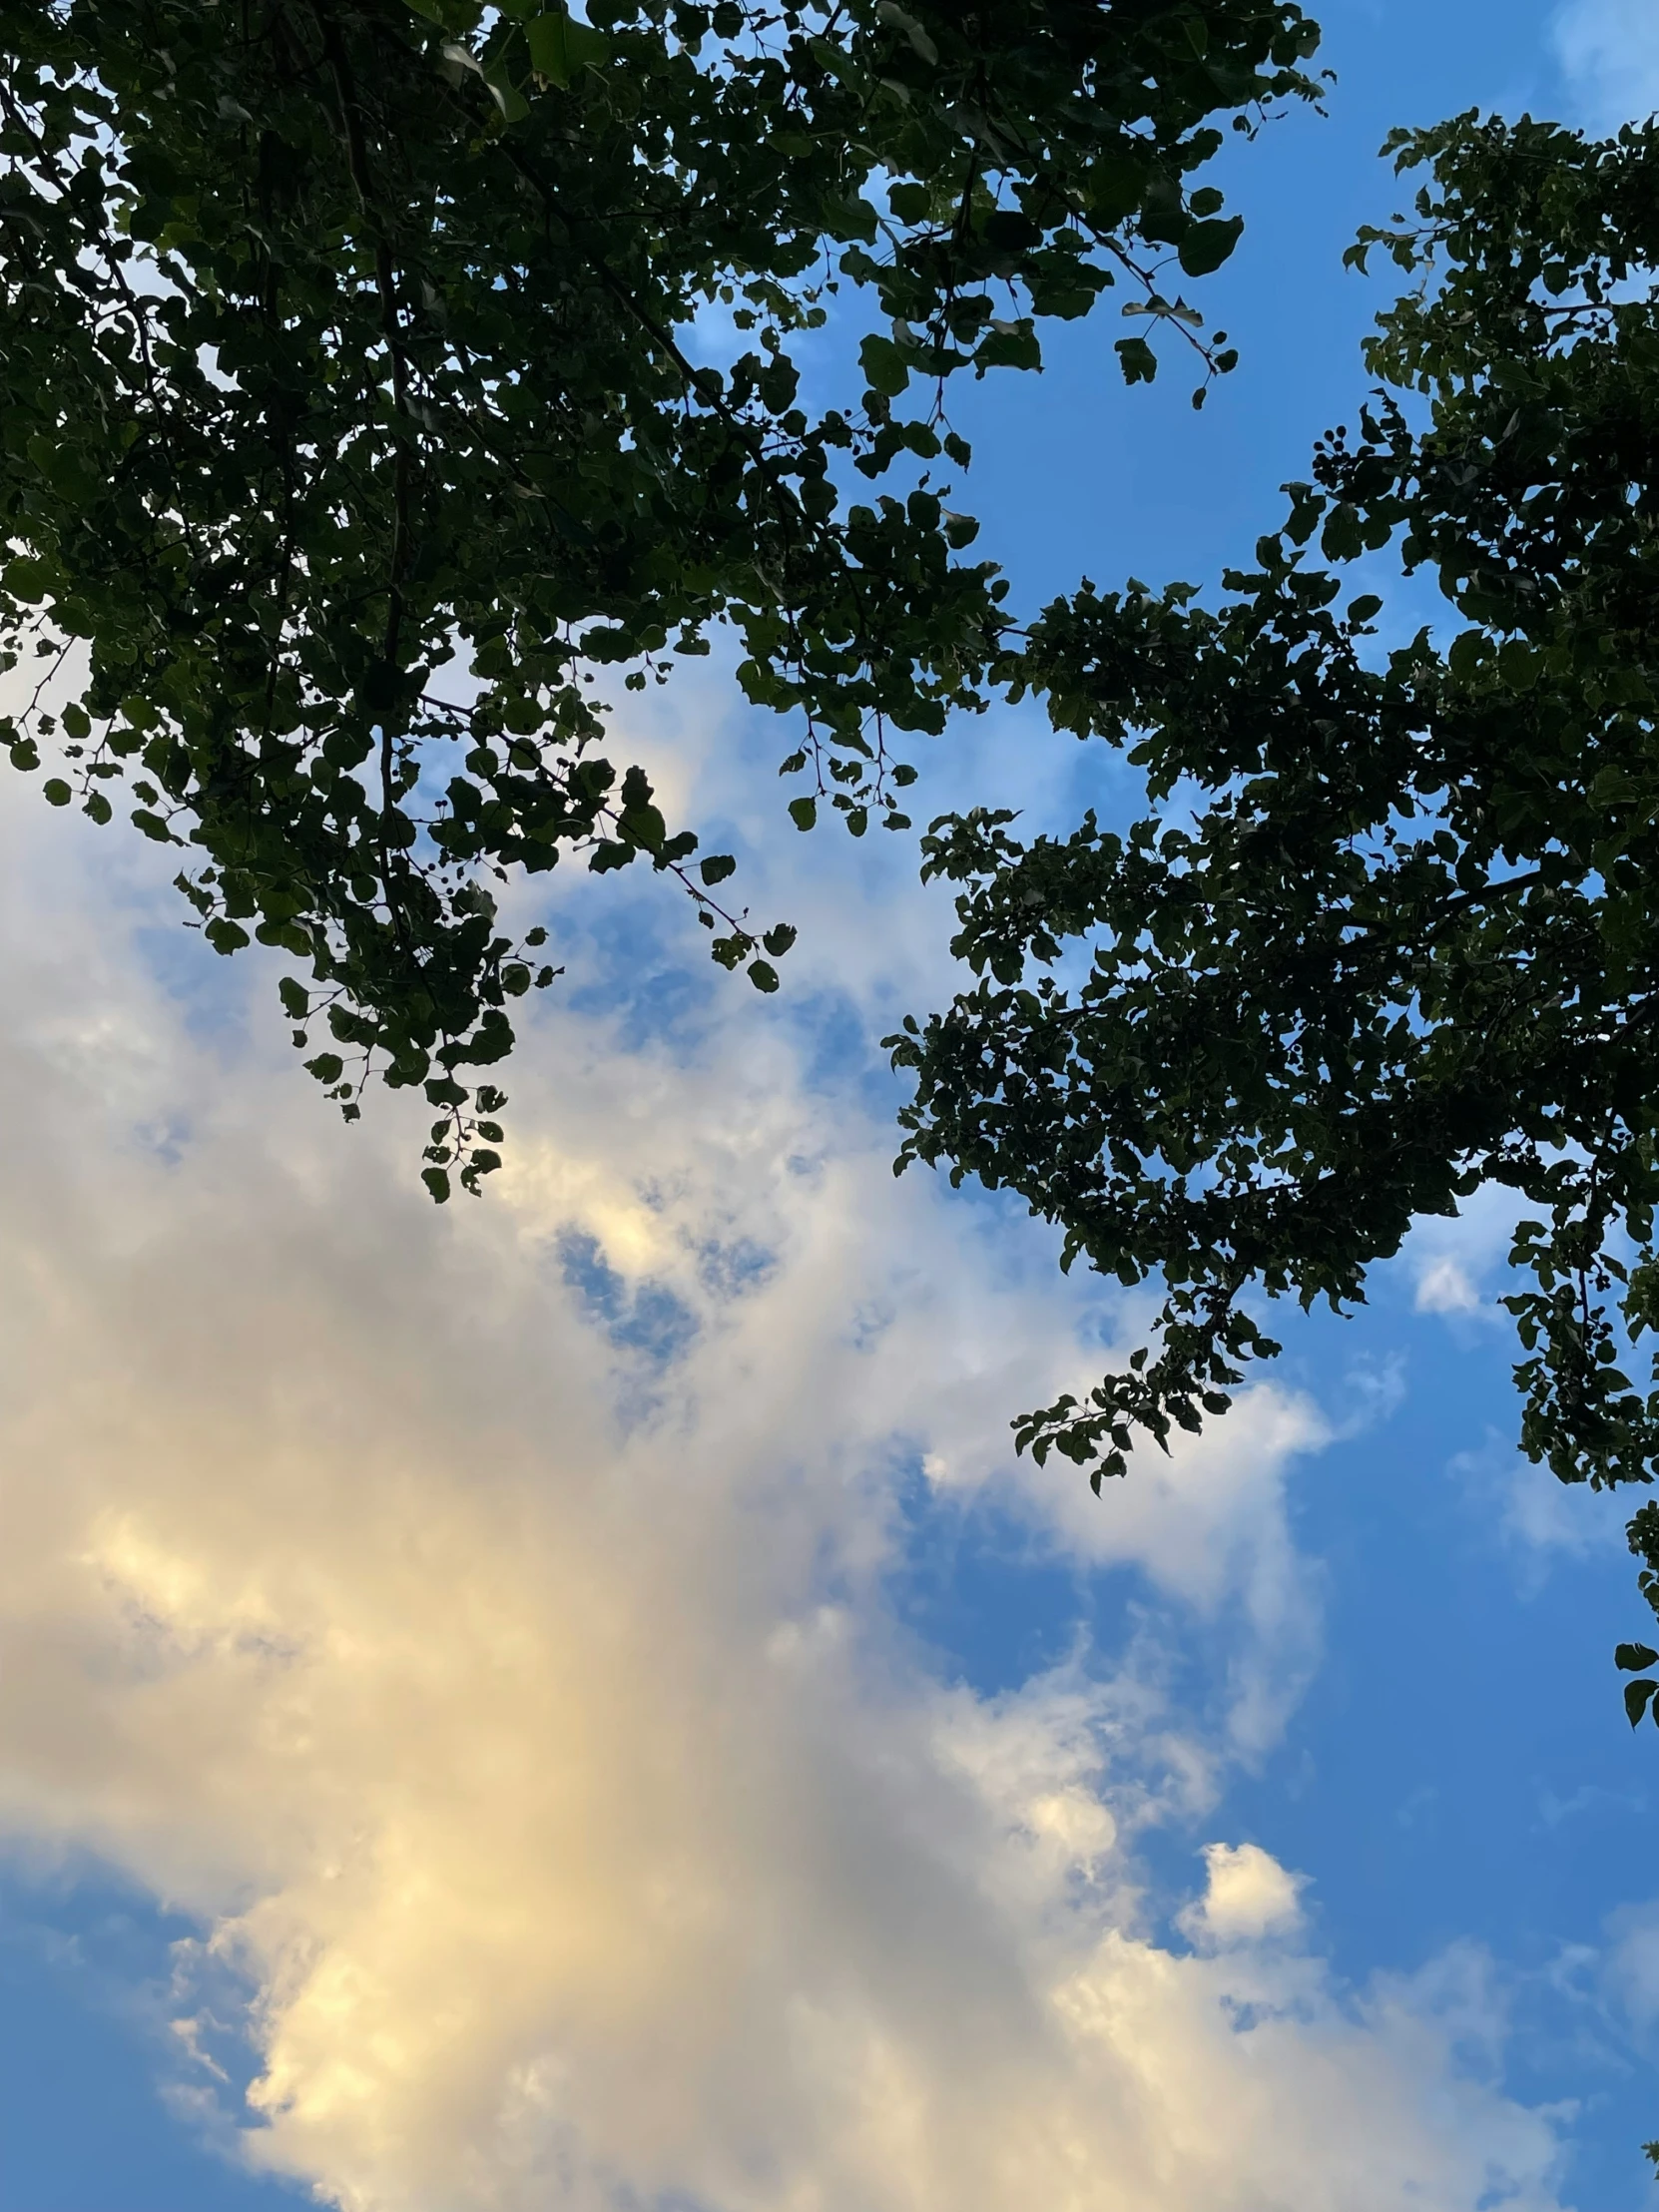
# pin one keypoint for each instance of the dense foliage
(1389, 932)
(356, 411)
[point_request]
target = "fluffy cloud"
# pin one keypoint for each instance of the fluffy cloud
(1249, 1895)
(481, 1624)
(1445, 1288)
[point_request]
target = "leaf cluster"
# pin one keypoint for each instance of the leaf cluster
(1389, 932)
(355, 420)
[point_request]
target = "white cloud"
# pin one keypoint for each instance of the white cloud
(1450, 1259)
(528, 1732)
(1609, 52)
(1248, 1895)
(1541, 1514)
(1445, 1288)
(1630, 1965)
(1536, 1518)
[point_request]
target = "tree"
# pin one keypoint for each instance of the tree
(355, 414)
(1389, 931)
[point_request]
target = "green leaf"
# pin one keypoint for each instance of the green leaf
(1013, 347)
(436, 1181)
(1633, 1657)
(1636, 1696)
(1116, 185)
(1343, 538)
(1137, 360)
(889, 11)
(56, 792)
(762, 976)
(1207, 245)
(803, 812)
(884, 364)
(509, 99)
(327, 1067)
(560, 47)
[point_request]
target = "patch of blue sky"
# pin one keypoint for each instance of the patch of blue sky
(1465, 1698)
(210, 994)
(1071, 474)
(638, 967)
(998, 1603)
(646, 1317)
(1458, 1771)
(86, 1967)
(732, 1267)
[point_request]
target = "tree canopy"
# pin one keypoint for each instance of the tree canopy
(375, 373)
(1389, 932)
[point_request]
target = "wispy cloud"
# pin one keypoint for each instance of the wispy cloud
(1537, 1519)
(1609, 52)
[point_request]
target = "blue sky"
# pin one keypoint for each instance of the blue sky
(572, 1702)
